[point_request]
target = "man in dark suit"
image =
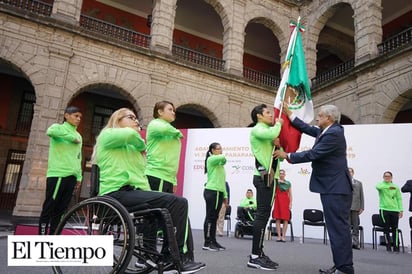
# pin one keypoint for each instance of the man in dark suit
(330, 177)
(407, 187)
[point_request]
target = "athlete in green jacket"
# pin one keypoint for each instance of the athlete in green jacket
(119, 155)
(214, 194)
(64, 170)
(125, 147)
(163, 148)
(249, 206)
(262, 138)
(390, 209)
(249, 201)
(390, 197)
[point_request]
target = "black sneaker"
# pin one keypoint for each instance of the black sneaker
(269, 260)
(170, 269)
(220, 247)
(261, 263)
(210, 246)
(190, 266)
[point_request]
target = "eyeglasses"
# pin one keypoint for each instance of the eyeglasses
(130, 116)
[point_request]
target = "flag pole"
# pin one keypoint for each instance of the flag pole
(288, 64)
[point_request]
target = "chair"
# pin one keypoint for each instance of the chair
(228, 220)
(378, 226)
(361, 237)
(313, 217)
(272, 228)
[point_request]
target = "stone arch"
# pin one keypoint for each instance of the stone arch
(345, 120)
(405, 114)
(277, 21)
(396, 105)
(317, 20)
(14, 69)
(97, 102)
(391, 95)
(223, 8)
(101, 87)
(323, 13)
(18, 98)
(264, 19)
(203, 110)
(277, 47)
(130, 84)
(22, 63)
(220, 6)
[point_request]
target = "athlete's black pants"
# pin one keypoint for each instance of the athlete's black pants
(214, 200)
(59, 191)
(264, 199)
(177, 206)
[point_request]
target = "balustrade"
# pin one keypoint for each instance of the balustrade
(185, 54)
(34, 6)
(261, 77)
(395, 42)
(128, 36)
(114, 31)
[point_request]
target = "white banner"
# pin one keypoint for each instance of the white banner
(68, 250)
(371, 150)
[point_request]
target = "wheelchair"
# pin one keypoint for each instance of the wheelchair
(104, 215)
(244, 225)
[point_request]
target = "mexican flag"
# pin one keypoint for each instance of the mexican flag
(294, 89)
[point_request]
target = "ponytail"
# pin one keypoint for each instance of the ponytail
(209, 152)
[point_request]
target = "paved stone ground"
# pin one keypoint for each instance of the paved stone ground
(293, 257)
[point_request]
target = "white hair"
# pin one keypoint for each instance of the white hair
(332, 111)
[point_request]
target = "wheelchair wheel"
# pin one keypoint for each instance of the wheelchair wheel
(149, 255)
(100, 216)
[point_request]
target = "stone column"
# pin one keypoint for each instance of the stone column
(314, 20)
(234, 38)
(234, 112)
(33, 179)
(368, 29)
(158, 92)
(163, 16)
(51, 101)
(67, 10)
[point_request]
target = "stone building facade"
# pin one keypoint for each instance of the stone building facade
(61, 61)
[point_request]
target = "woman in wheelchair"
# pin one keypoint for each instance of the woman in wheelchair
(249, 205)
(119, 153)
